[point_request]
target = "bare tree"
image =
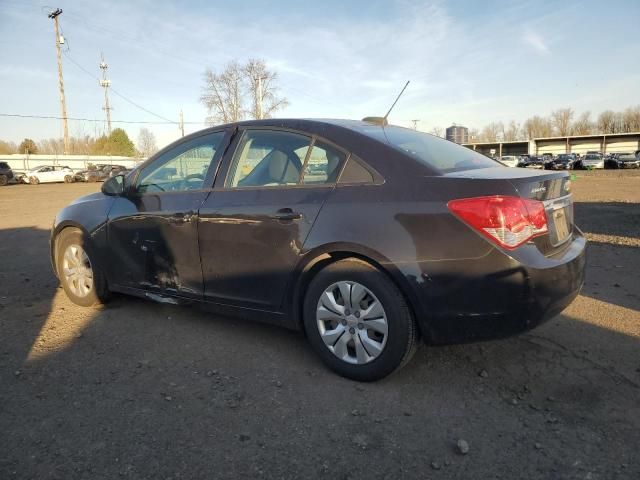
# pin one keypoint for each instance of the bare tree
(263, 89)
(607, 122)
(537, 127)
(631, 118)
(147, 142)
(437, 131)
(222, 94)
(583, 125)
(492, 132)
(8, 147)
(511, 133)
(561, 120)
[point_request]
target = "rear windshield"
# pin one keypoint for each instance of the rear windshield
(437, 153)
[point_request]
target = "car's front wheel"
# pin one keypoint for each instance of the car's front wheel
(34, 180)
(68, 179)
(357, 321)
(82, 279)
(3, 180)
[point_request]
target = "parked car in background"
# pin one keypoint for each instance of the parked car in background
(6, 174)
(120, 171)
(509, 160)
(531, 161)
(49, 174)
(368, 237)
(592, 160)
(564, 161)
(622, 160)
(100, 173)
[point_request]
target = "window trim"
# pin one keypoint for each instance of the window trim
(209, 179)
(313, 138)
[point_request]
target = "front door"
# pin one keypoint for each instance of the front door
(153, 228)
(254, 224)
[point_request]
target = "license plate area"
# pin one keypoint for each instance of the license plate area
(561, 225)
(559, 219)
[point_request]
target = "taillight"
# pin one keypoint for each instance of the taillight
(507, 221)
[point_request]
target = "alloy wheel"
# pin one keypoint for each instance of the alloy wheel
(352, 322)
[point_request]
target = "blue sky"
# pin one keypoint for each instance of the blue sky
(469, 62)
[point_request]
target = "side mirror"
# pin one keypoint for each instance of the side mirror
(114, 186)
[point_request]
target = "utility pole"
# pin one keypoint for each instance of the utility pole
(181, 122)
(259, 96)
(105, 83)
(415, 124)
(63, 105)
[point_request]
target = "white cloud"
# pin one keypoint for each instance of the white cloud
(536, 42)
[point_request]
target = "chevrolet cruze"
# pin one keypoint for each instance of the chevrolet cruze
(368, 237)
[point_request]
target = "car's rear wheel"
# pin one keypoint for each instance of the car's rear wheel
(357, 321)
(3, 180)
(34, 180)
(82, 280)
(68, 179)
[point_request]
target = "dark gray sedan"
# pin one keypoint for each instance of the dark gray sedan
(367, 237)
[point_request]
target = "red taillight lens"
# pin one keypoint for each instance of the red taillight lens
(507, 221)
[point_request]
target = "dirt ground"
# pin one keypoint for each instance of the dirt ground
(143, 390)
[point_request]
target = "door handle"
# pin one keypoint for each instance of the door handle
(286, 214)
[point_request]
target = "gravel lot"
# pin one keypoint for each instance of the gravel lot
(143, 390)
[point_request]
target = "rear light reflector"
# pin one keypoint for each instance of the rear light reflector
(505, 220)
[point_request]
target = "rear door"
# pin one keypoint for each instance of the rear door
(253, 225)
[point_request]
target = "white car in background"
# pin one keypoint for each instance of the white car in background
(49, 174)
(510, 160)
(593, 160)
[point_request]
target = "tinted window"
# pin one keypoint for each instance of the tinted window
(354, 172)
(4, 165)
(435, 152)
(181, 168)
(323, 164)
(268, 158)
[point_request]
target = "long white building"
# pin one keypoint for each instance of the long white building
(22, 162)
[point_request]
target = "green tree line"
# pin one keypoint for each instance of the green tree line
(117, 143)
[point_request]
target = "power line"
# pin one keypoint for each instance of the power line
(128, 100)
(53, 117)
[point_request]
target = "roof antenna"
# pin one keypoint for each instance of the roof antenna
(394, 103)
(383, 121)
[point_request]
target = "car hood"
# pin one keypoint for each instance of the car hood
(91, 197)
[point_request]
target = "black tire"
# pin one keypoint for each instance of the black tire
(68, 179)
(402, 332)
(99, 293)
(3, 180)
(34, 181)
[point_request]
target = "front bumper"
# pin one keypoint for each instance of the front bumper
(501, 294)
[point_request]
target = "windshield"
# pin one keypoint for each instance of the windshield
(592, 157)
(437, 153)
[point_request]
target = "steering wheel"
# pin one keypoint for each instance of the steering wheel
(188, 182)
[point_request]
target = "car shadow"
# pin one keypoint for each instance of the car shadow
(613, 231)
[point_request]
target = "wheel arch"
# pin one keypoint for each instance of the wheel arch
(318, 258)
(55, 237)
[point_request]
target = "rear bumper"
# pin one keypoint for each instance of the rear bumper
(501, 295)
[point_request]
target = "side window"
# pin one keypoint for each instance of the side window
(355, 172)
(267, 158)
(182, 168)
(323, 165)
